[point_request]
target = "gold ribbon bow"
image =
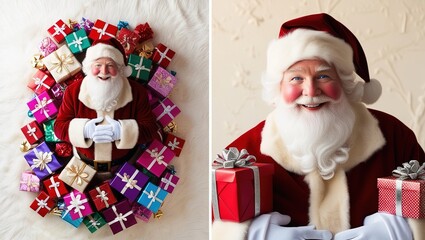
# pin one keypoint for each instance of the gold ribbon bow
(77, 174)
(164, 81)
(61, 62)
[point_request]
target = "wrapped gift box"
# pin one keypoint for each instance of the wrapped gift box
(77, 205)
(78, 41)
(128, 40)
(55, 187)
(234, 196)
(411, 200)
(32, 132)
(140, 67)
(47, 46)
(129, 181)
(43, 107)
(168, 182)
(162, 82)
(174, 143)
(163, 55)
(152, 197)
(102, 196)
(63, 149)
(85, 24)
(59, 30)
(42, 204)
(156, 158)
(119, 216)
(62, 64)
(141, 212)
(42, 161)
(94, 222)
(57, 92)
(49, 133)
(102, 30)
(166, 111)
(77, 174)
(29, 182)
(67, 218)
(145, 31)
(41, 81)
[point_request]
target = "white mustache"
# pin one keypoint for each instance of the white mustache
(305, 100)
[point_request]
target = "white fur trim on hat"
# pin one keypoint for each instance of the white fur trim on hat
(102, 50)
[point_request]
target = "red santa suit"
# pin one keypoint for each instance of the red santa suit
(378, 144)
(138, 125)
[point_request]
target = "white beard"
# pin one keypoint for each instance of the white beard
(104, 94)
(317, 140)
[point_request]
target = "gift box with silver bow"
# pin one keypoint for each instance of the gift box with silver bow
(102, 196)
(241, 188)
(129, 181)
(94, 222)
(102, 30)
(59, 30)
(55, 187)
(40, 82)
(119, 216)
(403, 194)
(43, 107)
(77, 205)
(32, 132)
(156, 158)
(163, 55)
(140, 67)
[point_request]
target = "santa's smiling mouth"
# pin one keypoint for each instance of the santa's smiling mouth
(315, 106)
(104, 78)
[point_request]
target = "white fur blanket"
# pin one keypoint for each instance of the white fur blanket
(182, 26)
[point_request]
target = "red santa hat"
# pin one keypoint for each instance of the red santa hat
(110, 48)
(321, 36)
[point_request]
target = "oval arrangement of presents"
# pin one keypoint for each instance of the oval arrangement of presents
(62, 177)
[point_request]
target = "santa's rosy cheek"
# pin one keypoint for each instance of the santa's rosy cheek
(290, 92)
(95, 71)
(332, 90)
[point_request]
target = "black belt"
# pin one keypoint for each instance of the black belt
(105, 166)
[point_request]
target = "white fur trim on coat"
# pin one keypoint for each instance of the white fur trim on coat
(129, 134)
(76, 133)
(223, 230)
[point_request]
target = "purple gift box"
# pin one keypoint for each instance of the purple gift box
(29, 182)
(156, 158)
(165, 112)
(129, 181)
(168, 182)
(119, 216)
(141, 212)
(77, 205)
(162, 82)
(43, 107)
(42, 161)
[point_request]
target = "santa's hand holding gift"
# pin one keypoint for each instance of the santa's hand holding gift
(105, 116)
(327, 147)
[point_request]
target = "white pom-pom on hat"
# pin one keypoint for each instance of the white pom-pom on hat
(372, 91)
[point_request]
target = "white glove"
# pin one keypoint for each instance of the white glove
(379, 226)
(90, 126)
(116, 128)
(103, 134)
(269, 227)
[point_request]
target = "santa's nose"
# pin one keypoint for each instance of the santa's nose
(104, 69)
(310, 88)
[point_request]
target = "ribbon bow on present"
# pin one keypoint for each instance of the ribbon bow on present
(61, 62)
(77, 174)
(231, 158)
(411, 170)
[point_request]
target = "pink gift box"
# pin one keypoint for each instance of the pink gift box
(162, 82)
(404, 198)
(77, 205)
(47, 46)
(156, 158)
(29, 182)
(32, 132)
(41, 82)
(163, 55)
(174, 143)
(43, 107)
(59, 30)
(102, 30)
(168, 182)
(166, 111)
(141, 212)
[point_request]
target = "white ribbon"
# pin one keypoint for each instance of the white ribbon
(77, 204)
(41, 105)
(103, 196)
(31, 131)
(175, 144)
(78, 41)
(103, 31)
(121, 218)
(167, 110)
(40, 82)
(163, 55)
(42, 160)
(59, 30)
(28, 183)
(129, 182)
(168, 182)
(152, 196)
(157, 157)
(55, 185)
(42, 204)
(139, 67)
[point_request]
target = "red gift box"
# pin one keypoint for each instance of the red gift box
(59, 30)
(234, 196)
(102, 30)
(162, 55)
(42, 204)
(102, 196)
(174, 143)
(32, 132)
(404, 198)
(128, 40)
(55, 187)
(41, 82)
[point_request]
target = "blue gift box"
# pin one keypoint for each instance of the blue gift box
(66, 217)
(152, 197)
(42, 161)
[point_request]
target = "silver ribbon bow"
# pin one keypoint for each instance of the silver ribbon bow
(411, 170)
(231, 158)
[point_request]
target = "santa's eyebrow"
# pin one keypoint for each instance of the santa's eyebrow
(323, 67)
(296, 69)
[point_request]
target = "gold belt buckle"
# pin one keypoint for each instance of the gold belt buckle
(95, 162)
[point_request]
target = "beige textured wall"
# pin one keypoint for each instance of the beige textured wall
(392, 34)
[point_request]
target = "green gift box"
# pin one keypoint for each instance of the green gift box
(140, 67)
(94, 222)
(49, 134)
(78, 41)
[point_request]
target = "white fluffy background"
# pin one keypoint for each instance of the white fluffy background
(182, 26)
